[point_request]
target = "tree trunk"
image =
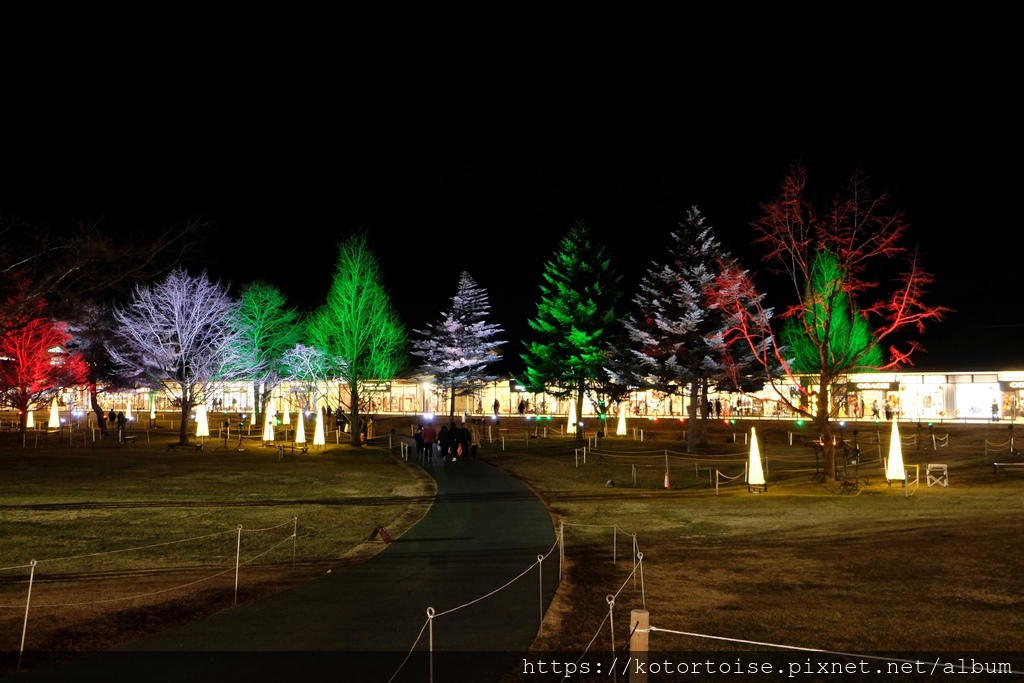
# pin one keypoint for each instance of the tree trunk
(704, 410)
(691, 411)
(23, 423)
(353, 420)
(186, 405)
(579, 411)
(824, 426)
(101, 415)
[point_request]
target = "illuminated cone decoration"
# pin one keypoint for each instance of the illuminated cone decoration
(570, 428)
(128, 411)
(621, 429)
(202, 423)
(755, 474)
(318, 433)
(54, 415)
(268, 426)
(288, 413)
(894, 470)
(300, 428)
(30, 421)
(152, 406)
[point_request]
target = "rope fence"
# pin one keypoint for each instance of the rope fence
(81, 569)
(634, 659)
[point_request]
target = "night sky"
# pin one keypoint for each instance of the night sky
(496, 201)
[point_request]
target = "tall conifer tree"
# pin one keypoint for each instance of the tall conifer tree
(575, 320)
(676, 333)
(459, 349)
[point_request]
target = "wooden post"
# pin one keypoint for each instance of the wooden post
(641, 619)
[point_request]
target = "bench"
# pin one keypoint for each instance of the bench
(1005, 467)
(128, 439)
(173, 446)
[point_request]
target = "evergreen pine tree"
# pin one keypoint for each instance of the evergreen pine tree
(575, 320)
(676, 333)
(459, 349)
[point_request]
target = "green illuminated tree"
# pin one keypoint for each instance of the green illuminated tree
(575, 321)
(845, 320)
(357, 329)
(831, 332)
(269, 328)
(459, 348)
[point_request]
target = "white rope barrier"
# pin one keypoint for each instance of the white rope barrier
(835, 653)
(432, 614)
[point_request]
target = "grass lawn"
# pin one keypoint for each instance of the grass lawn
(802, 564)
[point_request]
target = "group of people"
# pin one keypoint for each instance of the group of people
(453, 441)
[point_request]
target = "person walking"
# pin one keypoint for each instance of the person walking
(429, 436)
(474, 439)
(418, 436)
(444, 442)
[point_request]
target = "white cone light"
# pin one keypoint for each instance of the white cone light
(894, 469)
(621, 429)
(300, 428)
(202, 422)
(755, 473)
(268, 426)
(318, 433)
(570, 428)
(54, 415)
(30, 421)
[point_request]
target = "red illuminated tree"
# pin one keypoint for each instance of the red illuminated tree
(34, 362)
(862, 236)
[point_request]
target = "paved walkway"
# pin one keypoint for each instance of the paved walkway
(362, 622)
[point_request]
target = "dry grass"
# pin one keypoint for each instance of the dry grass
(802, 564)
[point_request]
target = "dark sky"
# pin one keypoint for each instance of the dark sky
(495, 201)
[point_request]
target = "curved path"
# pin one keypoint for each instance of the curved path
(369, 621)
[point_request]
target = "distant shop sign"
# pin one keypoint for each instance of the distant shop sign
(883, 386)
(1015, 385)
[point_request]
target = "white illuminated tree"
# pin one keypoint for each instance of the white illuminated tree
(177, 336)
(459, 348)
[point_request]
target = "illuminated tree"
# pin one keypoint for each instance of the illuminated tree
(830, 323)
(34, 362)
(177, 335)
(845, 320)
(458, 349)
(358, 329)
(77, 273)
(676, 335)
(310, 367)
(575, 320)
(269, 328)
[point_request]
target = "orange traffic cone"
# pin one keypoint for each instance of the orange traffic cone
(666, 480)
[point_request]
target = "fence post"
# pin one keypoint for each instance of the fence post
(28, 601)
(238, 554)
(638, 645)
(611, 617)
(540, 583)
(295, 540)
